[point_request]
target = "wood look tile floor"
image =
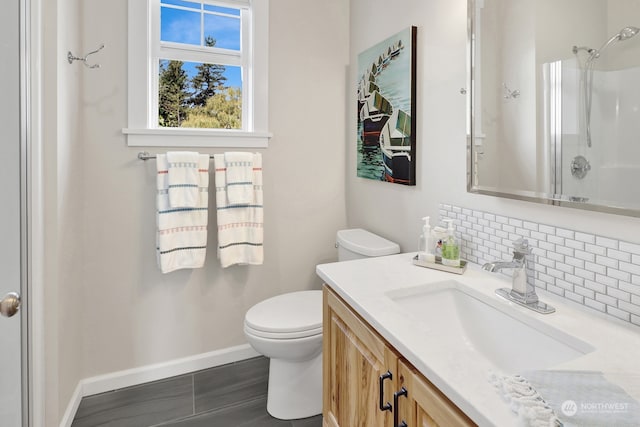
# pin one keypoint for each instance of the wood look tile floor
(229, 395)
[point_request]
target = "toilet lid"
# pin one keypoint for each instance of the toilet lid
(290, 314)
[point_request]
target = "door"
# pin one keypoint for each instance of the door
(354, 360)
(11, 147)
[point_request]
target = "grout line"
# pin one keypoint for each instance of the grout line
(193, 392)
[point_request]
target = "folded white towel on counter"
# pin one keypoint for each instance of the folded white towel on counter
(524, 400)
(570, 398)
(239, 177)
(181, 236)
(184, 178)
(240, 227)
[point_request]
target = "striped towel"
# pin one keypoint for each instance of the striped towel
(240, 227)
(184, 179)
(181, 237)
(239, 177)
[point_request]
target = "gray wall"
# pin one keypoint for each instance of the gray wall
(111, 309)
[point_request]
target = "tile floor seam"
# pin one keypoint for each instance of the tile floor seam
(211, 412)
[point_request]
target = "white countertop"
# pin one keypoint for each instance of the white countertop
(364, 284)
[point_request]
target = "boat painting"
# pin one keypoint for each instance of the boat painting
(386, 103)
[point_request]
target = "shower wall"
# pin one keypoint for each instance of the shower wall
(615, 125)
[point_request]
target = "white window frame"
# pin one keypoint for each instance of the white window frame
(145, 49)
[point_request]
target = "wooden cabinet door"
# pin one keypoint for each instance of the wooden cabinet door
(354, 358)
(425, 405)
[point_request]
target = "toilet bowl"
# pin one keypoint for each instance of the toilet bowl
(288, 330)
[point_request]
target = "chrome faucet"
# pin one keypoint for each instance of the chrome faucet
(522, 291)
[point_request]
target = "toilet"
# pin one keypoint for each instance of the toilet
(288, 330)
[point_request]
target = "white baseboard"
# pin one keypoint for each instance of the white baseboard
(144, 374)
(72, 407)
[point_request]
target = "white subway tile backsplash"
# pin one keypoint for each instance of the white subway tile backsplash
(595, 305)
(596, 271)
(546, 229)
(617, 274)
(555, 239)
(508, 228)
(548, 246)
(595, 286)
(606, 242)
(629, 247)
(595, 249)
(606, 261)
(621, 296)
(564, 267)
(554, 256)
(574, 297)
(574, 244)
(562, 232)
(619, 255)
(585, 256)
(631, 288)
(623, 315)
(574, 262)
(572, 279)
(596, 268)
(585, 292)
(629, 268)
(586, 238)
(564, 250)
(606, 299)
(567, 286)
(555, 273)
(515, 222)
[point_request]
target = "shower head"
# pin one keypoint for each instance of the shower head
(624, 34)
(627, 32)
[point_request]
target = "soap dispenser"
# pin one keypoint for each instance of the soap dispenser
(450, 247)
(425, 250)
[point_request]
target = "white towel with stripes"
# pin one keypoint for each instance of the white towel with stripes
(240, 227)
(239, 176)
(181, 236)
(184, 179)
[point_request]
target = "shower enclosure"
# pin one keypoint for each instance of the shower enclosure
(593, 104)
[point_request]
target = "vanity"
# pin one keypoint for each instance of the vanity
(409, 346)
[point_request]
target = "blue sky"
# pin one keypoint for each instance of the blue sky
(184, 26)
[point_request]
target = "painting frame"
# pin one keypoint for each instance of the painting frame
(386, 109)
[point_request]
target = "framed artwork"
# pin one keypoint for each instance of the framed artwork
(386, 108)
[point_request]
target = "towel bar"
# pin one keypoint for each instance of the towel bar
(144, 155)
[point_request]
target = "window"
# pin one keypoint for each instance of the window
(198, 73)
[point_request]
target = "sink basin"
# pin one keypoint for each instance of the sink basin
(467, 320)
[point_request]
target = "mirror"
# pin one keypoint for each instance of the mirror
(555, 102)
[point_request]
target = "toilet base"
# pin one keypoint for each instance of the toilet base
(295, 388)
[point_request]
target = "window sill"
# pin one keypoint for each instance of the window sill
(195, 138)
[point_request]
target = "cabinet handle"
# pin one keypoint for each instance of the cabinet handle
(402, 392)
(384, 406)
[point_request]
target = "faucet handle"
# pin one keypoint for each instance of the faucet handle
(521, 246)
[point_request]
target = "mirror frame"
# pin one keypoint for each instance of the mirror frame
(530, 196)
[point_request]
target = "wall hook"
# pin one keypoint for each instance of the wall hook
(71, 57)
(510, 94)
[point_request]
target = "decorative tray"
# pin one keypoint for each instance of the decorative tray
(439, 266)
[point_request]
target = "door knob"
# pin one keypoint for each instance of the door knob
(10, 304)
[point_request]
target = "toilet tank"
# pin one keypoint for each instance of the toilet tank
(358, 243)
